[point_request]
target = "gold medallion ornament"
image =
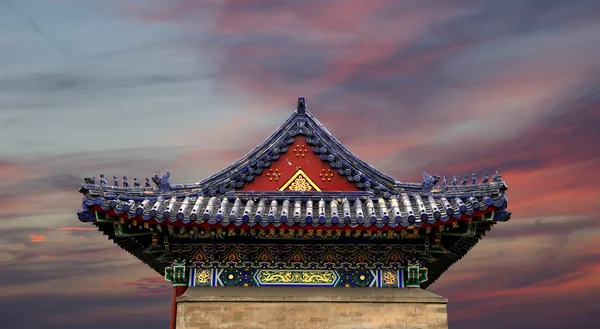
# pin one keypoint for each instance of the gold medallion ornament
(389, 278)
(300, 182)
(203, 276)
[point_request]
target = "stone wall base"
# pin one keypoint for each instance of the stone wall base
(310, 307)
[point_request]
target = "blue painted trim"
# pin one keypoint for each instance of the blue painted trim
(192, 280)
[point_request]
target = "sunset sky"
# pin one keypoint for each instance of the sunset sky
(189, 86)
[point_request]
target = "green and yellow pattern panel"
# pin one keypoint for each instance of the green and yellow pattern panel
(229, 277)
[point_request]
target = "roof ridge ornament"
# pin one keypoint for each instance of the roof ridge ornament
(429, 181)
(486, 178)
(497, 178)
(162, 182)
(301, 108)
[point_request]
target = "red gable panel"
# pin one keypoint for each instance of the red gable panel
(299, 156)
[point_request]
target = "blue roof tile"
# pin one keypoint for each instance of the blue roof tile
(382, 201)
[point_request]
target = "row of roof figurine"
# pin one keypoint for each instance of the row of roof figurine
(163, 182)
(429, 180)
(104, 182)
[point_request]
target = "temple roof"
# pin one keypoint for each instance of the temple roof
(351, 192)
(300, 184)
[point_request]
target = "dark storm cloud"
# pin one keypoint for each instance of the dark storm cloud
(117, 311)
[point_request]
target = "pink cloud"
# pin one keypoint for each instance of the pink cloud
(12, 172)
(37, 238)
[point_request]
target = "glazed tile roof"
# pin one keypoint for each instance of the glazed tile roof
(300, 208)
(219, 200)
(341, 192)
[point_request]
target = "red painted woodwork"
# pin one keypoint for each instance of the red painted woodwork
(299, 155)
(177, 291)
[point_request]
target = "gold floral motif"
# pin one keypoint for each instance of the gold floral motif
(291, 277)
(203, 276)
(389, 278)
(300, 184)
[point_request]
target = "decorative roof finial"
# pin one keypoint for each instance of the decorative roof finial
(103, 181)
(162, 182)
(427, 181)
(486, 178)
(465, 180)
(497, 177)
(301, 109)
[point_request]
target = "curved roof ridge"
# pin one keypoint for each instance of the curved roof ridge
(355, 158)
(260, 148)
(324, 144)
